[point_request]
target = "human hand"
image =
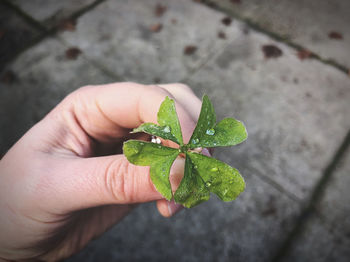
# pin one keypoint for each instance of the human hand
(66, 180)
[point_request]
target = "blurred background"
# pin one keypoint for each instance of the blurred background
(280, 66)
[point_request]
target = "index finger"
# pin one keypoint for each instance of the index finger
(109, 111)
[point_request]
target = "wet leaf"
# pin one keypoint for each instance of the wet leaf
(192, 190)
(190, 49)
(220, 178)
(202, 174)
(167, 117)
(227, 132)
(155, 130)
(158, 157)
(160, 10)
(169, 126)
(271, 51)
(73, 53)
(335, 35)
(226, 20)
(155, 28)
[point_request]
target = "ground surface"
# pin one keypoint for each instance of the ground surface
(296, 161)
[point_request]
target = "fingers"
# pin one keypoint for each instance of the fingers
(90, 182)
(108, 112)
(168, 208)
(185, 96)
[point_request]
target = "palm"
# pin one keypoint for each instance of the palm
(78, 229)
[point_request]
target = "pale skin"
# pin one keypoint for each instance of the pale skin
(66, 180)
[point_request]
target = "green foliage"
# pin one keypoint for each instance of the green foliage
(202, 174)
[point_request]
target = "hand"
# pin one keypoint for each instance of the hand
(66, 180)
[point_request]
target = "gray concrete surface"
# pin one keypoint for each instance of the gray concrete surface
(112, 36)
(327, 233)
(53, 12)
(15, 34)
(282, 102)
(43, 77)
(307, 23)
(296, 114)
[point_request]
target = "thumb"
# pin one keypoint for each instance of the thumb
(89, 182)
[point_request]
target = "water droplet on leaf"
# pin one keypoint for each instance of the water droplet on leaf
(166, 129)
(210, 132)
(195, 141)
(208, 184)
(214, 169)
(136, 150)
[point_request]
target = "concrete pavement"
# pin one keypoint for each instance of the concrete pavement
(296, 112)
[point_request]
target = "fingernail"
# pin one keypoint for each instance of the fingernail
(174, 207)
(206, 152)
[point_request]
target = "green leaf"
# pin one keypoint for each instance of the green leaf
(153, 129)
(206, 121)
(167, 118)
(228, 132)
(158, 157)
(192, 190)
(221, 179)
(202, 174)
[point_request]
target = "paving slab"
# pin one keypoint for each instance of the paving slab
(248, 229)
(310, 23)
(51, 12)
(38, 80)
(122, 38)
(15, 34)
(327, 233)
(293, 109)
(282, 151)
(295, 112)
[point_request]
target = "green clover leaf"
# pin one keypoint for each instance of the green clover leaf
(202, 174)
(228, 132)
(169, 125)
(159, 158)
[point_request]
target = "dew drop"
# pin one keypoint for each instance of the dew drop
(136, 150)
(166, 129)
(208, 184)
(210, 132)
(214, 169)
(195, 167)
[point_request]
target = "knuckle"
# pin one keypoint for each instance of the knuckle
(80, 90)
(119, 181)
(160, 91)
(184, 87)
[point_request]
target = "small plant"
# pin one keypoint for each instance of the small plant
(202, 174)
